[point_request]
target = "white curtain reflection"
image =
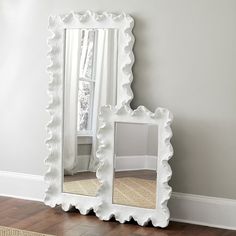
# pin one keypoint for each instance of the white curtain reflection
(90, 66)
(87, 53)
(72, 58)
(86, 82)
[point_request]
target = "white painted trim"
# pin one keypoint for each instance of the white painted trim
(203, 210)
(186, 208)
(24, 186)
(141, 162)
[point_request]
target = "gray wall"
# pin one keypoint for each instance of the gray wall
(185, 61)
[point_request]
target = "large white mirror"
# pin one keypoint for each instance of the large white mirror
(91, 66)
(134, 148)
(90, 81)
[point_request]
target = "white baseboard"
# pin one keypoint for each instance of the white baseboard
(24, 186)
(187, 208)
(203, 210)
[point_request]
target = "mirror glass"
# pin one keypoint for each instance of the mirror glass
(135, 164)
(90, 81)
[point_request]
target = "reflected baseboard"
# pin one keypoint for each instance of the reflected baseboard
(140, 162)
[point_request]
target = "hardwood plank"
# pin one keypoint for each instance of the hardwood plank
(35, 216)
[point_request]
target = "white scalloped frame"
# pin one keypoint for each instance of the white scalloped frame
(57, 25)
(108, 117)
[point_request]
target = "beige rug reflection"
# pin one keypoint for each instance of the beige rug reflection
(127, 190)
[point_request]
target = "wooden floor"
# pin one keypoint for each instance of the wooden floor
(35, 216)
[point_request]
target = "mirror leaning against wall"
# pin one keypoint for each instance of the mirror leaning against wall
(95, 140)
(134, 148)
(91, 66)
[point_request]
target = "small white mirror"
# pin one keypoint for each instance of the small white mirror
(134, 149)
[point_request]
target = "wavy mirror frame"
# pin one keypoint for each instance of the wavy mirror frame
(57, 25)
(122, 213)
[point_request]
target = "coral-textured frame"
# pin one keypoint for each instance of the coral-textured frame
(106, 135)
(57, 25)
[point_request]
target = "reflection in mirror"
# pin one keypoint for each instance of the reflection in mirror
(135, 164)
(90, 82)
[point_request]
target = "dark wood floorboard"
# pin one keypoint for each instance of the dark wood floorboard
(35, 216)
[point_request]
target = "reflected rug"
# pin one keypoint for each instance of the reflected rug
(7, 231)
(127, 190)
